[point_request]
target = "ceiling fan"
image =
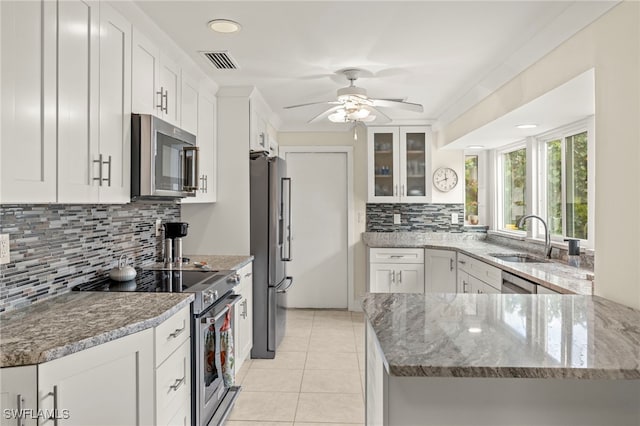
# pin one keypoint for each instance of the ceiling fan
(353, 105)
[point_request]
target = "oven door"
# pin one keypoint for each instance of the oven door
(209, 381)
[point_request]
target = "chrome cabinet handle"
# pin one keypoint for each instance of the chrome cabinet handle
(177, 332)
(99, 161)
(396, 256)
(395, 190)
(244, 309)
(165, 97)
(451, 264)
(247, 275)
(54, 416)
(20, 416)
(464, 286)
(400, 279)
(393, 276)
(179, 382)
(402, 190)
(462, 262)
(161, 93)
(108, 163)
(206, 183)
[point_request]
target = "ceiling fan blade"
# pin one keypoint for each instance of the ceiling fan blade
(313, 103)
(388, 103)
(379, 114)
(324, 114)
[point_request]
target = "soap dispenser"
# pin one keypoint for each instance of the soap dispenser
(573, 258)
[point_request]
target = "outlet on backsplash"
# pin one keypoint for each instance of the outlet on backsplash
(396, 219)
(158, 227)
(5, 254)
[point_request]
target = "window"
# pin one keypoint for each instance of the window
(471, 189)
(513, 183)
(565, 183)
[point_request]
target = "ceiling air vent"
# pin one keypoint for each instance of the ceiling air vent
(221, 60)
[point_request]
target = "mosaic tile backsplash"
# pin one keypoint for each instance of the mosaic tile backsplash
(417, 217)
(55, 247)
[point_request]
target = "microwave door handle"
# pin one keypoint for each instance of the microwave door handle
(190, 174)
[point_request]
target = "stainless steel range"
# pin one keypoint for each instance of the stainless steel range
(212, 398)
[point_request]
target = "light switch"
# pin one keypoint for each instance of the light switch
(454, 218)
(396, 218)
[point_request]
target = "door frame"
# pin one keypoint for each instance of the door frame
(337, 149)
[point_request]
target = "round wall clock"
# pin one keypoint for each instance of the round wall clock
(445, 179)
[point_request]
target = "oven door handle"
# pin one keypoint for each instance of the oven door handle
(230, 301)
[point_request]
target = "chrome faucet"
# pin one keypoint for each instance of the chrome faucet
(547, 234)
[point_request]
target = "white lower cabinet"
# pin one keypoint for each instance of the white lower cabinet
(440, 271)
(396, 270)
(115, 383)
(243, 317)
(475, 276)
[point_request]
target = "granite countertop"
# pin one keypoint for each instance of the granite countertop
(505, 335)
(76, 321)
(215, 262)
(554, 275)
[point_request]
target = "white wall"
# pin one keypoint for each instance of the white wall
(611, 45)
(359, 187)
(223, 227)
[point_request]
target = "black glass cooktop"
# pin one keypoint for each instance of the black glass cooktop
(153, 281)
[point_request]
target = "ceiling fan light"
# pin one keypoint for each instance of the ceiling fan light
(225, 26)
(358, 114)
(339, 116)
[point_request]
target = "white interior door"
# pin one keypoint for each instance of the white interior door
(319, 223)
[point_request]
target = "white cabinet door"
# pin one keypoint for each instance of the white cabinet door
(440, 271)
(208, 155)
(78, 94)
(383, 165)
(112, 383)
(173, 387)
(115, 106)
(189, 105)
(169, 79)
(381, 276)
(146, 98)
(244, 316)
(18, 391)
(28, 138)
(258, 130)
(415, 158)
(409, 278)
(375, 374)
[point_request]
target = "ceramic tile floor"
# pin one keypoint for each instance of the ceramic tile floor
(317, 377)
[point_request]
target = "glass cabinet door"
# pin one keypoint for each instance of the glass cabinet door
(385, 185)
(414, 162)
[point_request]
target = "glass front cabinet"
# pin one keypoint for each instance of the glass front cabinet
(399, 164)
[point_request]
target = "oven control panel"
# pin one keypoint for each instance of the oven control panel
(209, 296)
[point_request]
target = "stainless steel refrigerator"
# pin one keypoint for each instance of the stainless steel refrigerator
(271, 247)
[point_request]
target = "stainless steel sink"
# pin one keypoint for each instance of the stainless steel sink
(518, 257)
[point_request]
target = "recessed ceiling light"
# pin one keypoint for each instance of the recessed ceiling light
(475, 330)
(475, 147)
(224, 26)
(527, 126)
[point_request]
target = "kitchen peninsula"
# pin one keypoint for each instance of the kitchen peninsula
(501, 359)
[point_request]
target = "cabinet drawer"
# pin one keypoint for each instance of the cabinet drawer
(171, 334)
(464, 262)
(173, 384)
(483, 271)
(396, 255)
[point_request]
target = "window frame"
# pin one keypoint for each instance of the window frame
(562, 133)
(499, 203)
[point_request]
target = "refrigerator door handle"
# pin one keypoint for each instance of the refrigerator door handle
(285, 288)
(286, 214)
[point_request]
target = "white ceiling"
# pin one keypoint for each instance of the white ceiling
(440, 54)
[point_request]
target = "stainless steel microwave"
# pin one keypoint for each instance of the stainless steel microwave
(164, 159)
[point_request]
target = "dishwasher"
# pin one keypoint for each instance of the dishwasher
(512, 284)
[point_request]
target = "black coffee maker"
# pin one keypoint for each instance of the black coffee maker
(173, 233)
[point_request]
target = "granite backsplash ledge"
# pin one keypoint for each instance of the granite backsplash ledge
(57, 246)
(428, 217)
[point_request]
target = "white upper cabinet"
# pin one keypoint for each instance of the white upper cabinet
(28, 138)
(189, 104)
(115, 106)
(207, 150)
(74, 144)
(169, 76)
(146, 98)
(399, 164)
(156, 81)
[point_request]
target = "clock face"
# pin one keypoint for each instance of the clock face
(445, 179)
